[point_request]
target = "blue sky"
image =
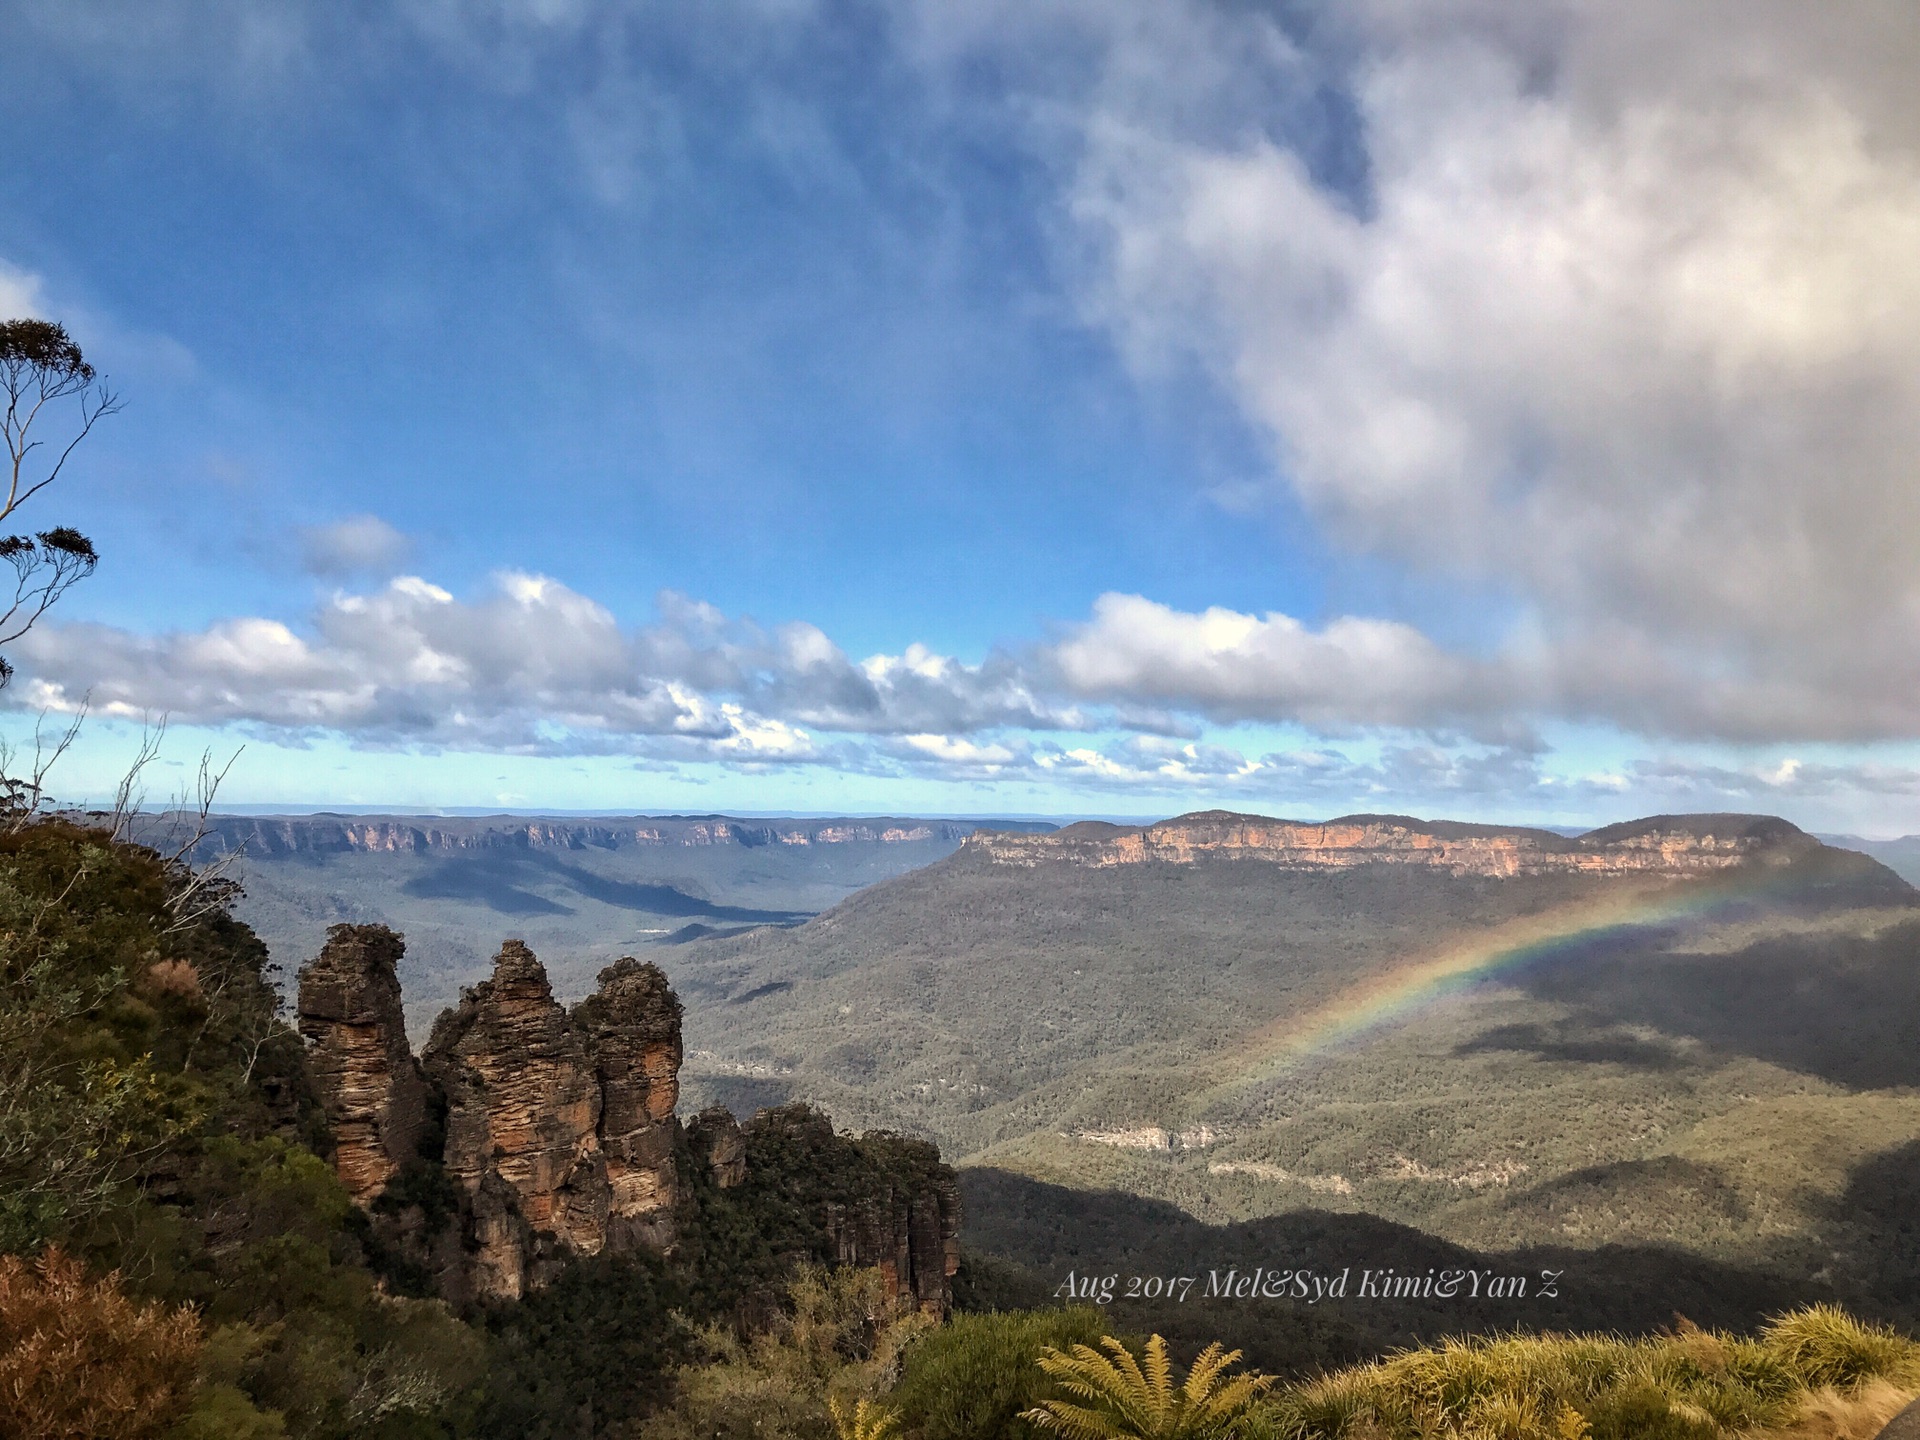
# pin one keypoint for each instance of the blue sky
(1066, 408)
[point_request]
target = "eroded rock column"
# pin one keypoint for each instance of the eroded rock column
(523, 1126)
(373, 1091)
(631, 1026)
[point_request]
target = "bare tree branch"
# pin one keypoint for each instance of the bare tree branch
(23, 798)
(128, 796)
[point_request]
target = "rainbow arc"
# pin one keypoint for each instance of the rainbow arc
(1397, 994)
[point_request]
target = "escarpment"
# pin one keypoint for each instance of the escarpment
(531, 1135)
(270, 835)
(1677, 845)
(875, 1200)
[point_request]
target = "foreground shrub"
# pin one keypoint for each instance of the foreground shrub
(971, 1379)
(841, 1341)
(1823, 1345)
(81, 1361)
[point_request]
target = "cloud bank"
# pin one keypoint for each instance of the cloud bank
(1618, 323)
(530, 666)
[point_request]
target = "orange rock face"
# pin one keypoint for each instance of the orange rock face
(371, 1087)
(561, 1139)
(631, 1026)
(1685, 845)
(560, 1128)
(523, 1108)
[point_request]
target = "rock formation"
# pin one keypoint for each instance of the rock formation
(913, 1236)
(878, 1200)
(560, 1138)
(1666, 845)
(631, 1027)
(717, 1147)
(375, 1096)
(523, 1125)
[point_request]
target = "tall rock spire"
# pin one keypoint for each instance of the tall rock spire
(375, 1097)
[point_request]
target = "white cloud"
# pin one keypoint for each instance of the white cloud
(21, 293)
(951, 751)
(1233, 666)
(533, 666)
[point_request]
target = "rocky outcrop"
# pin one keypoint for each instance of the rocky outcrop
(717, 1148)
(523, 1125)
(1666, 845)
(912, 1236)
(559, 1139)
(560, 1128)
(375, 1097)
(878, 1199)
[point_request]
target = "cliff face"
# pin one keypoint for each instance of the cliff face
(631, 1027)
(323, 834)
(375, 1096)
(912, 1234)
(1675, 845)
(877, 1200)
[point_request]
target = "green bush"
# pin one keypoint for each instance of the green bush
(593, 1348)
(971, 1379)
(839, 1340)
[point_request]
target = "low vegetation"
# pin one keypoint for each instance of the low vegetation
(1103, 1396)
(1816, 1372)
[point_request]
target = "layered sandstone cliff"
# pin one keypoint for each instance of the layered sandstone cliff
(881, 1200)
(1671, 845)
(323, 834)
(375, 1096)
(631, 1026)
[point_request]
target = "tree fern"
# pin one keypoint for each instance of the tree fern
(1118, 1395)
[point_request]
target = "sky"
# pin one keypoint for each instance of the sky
(1487, 410)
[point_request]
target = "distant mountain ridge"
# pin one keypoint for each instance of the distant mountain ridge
(269, 835)
(1661, 844)
(583, 889)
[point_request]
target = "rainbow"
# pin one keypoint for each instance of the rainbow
(1400, 992)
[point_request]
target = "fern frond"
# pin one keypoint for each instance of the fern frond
(1133, 1387)
(1074, 1421)
(1129, 1397)
(1206, 1369)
